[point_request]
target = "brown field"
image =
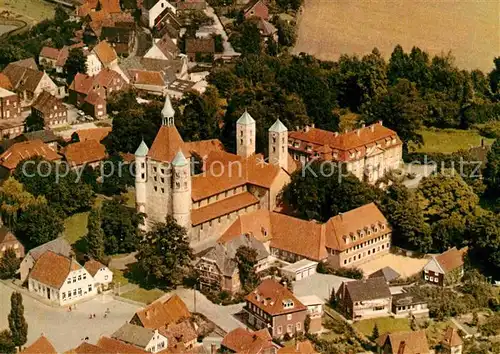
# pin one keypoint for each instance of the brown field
(470, 29)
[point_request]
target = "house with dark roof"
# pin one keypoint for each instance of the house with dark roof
(366, 298)
(9, 241)
(46, 136)
(273, 307)
(155, 12)
(446, 268)
(200, 49)
(51, 109)
(150, 340)
(28, 82)
(407, 304)
(367, 152)
(218, 269)
(60, 279)
(403, 343)
(164, 49)
(59, 246)
(387, 272)
(242, 340)
(120, 38)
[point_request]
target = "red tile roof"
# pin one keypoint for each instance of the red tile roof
(405, 342)
(257, 9)
(92, 266)
(82, 83)
(359, 140)
(49, 52)
(271, 297)
(304, 347)
(114, 346)
(143, 77)
(97, 134)
(244, 341)
(451, 259)
(52, 269)
(159, 313)
(82, 152)
(105, 53)
(25, 150)
(5, 82)
(223, 207)
(452, 338)
(41, 346)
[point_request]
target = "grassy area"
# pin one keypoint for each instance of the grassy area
(130, 197)
(37, 10)
(435, 331)
(385, 324)
(448, 140)
(75, 227)
(143, 295)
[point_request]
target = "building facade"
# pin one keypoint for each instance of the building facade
(50, 109)
(9, 241)
(445, 269)
(10, 107)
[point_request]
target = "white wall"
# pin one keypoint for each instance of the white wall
(157, 343)
(103, 276)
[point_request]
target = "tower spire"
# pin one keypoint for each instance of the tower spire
(167, 113)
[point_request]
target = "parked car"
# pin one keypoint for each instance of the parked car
(81, 113)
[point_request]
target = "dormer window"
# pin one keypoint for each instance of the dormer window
(393, 141)
(383, 227)
(309, 147)
(296, 144)
(288, 304)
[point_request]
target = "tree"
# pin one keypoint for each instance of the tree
(17, 322)
(323, 190)
(413, 324)
(401, 109)
(286, 33)
(164, 254)
(34, 123)
(98, 6)
(120, 225)
(307, 324)
(475, 319)
(14, 199)
(7, 346)
(116, 176)
(60, 15)
(483, 231)
(37, 225)
(492, 170)
(246, 258)
(409, 229)
(9, 264)
(495, 76)
(199, 119)
(375, 332)
(219, 43)
(95, 236)
(76, 63)
(248, 40)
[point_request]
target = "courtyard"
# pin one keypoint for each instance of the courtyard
(404, 265)
(66, 329)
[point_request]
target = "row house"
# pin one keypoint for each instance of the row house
(218, 269)
(367, 152)
(273, 307)
(51, 109)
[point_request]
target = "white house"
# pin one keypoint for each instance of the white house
(59, 246)
(101, 274)
(153, 11)
(94, 65)
(147, 339)
(300, 270)
(60, 279)
(314, 306)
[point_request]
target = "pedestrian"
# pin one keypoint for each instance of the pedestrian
(105, 315)
(86, 338)
(94, 315)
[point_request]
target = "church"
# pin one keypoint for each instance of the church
(227, 185)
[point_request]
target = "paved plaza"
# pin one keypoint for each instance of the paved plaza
(66, 329)
(406, 266)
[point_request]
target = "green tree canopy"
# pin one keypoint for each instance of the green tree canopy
(37, 225)
(14, 200)
(76, 63)
(34, 123)
(7, 345)
(492, 171)
(483, 232)
(246, 258)
(95, 236)
(17, 322)
(9, 264)
(164, 254)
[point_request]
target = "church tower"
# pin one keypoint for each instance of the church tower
(167, 113)
(245, 135)
(141, 177)
(278, 144)
(181, 190)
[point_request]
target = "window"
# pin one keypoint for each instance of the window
(105, 277)
(426, 277)
(74, 279)
(90, 288)
(63, 296)
(79, 277)
(84, 276)
(289, 328)
(280, 329)
(298, 326)
(289, 317)
(436, 279)
(79, 291)
(431, 278)
(74, 292)
(69, 281)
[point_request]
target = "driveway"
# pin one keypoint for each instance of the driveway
(318, 284)
(66, 329)
(222, 316)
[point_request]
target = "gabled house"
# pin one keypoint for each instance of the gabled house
(85, 153)
(28, 82)
(106, 54)
(301, 347)
(8, 240)
(163, 49)
(408, 304)
(315, 311)
(200, 49)
(59, 246)
(51, 109)
(403, 343)
(121, 38)
(148, 81)
(218, 268)
(445, 269)
(60, 279)
(452, 343)
(53, 58)
(46, 136)
(101, 274)
(242, 340)
(367, 298)
(272, 306)
(41, 346)
(146, 339)
(387, 272)
(154, 12)
(10, 113)
(257, 9)
(97, 134)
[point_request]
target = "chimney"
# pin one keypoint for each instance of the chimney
(482, 142)
(372, 127)
(340, 214)
(297, 128)
(213, 349)
(380, 122)
(312, 125)
(363, 125)
(336, 134)
(358, 132)
(345, 131)
(402, 347)
(306, 128)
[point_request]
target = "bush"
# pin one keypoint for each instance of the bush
(353, 273)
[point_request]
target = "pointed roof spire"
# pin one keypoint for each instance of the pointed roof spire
(278, 127)
(168, 112)
(179, 159)
(245, 119)
(142, 150)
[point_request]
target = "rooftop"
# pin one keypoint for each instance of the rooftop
(367, 289)
(52, 269)
(82, 152)
(26, 150)
(451, 259)
(274, 299)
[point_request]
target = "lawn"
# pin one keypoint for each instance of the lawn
(75, 227)
(448, 140)
(385, 324)
(36, 10)
(130, 197)
(143, 295)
